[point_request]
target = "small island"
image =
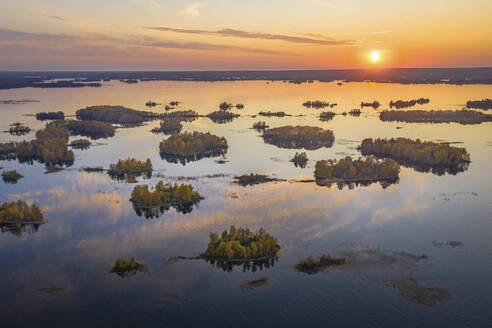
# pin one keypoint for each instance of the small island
(181, 115)
(186, 146)
(435, 116)
(124, 268)
(297, 137)
(375, 104)
(225, 106)
(154, 202)
(355, 112)
(130, 168)
(399, 104)
(300, 160)
(311, 265)
(169, 126)
(112, 114)
(18, 129)
(43, 116)
(240, 244)
(270, 114)
(416, 152)
(317, 104)
(260, 126)
(49, 147)
(326, 116)
(359, 171)
(11, 176)
(222, 116)
(20, 212)
(80, 144)
(252, 179)
(484, 104)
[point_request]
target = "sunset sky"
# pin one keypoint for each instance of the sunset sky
(233, 34)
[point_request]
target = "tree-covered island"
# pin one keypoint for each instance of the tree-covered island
(186, 146)
(399, 104)
(300, 159)
(297, 137)
(43, 116)
(416, 152)
(169, 126)
(363, 171)
(16, 217)
(222, 116)
(130, 168)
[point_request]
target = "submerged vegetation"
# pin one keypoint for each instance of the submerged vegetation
(318, 104)
(130, 168)
(169, 126)
(347, 170)
(222, 116)
(375, 104)
(11, 176)
(300, 159)
(311, 265)
(50, 116)
(410, 103)
(252, 179)
(124, 268)
(188, 146)
(296, 137)
(255, 283)
(416, 151)
(484, 104)
(436, 116)
(241, 244)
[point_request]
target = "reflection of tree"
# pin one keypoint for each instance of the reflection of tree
(19, 228)
(191, 158)
(151, 212)
(352, 184)
(247, 265)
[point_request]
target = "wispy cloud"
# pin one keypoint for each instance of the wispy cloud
(98, 41)
(52, 16)
(228, 32)
(193, 9)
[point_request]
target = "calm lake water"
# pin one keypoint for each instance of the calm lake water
(91, 221)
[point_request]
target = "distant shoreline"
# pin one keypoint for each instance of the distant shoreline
(76, 79)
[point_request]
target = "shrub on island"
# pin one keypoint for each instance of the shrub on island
(124, 268)
(296, 137)
(260, 126)
(222, 116)
(80, 144)
(375, 104)
(326, 116)
(270, 114)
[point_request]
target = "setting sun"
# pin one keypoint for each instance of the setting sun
(375, 56)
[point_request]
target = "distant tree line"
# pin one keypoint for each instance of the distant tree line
(436, 116)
